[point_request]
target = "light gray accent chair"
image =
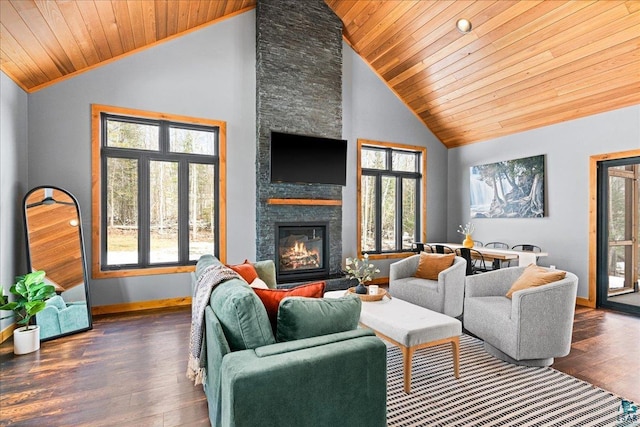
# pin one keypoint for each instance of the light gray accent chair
(532, 328)
(445, 295)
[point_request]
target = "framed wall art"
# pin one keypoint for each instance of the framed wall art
(508, 189)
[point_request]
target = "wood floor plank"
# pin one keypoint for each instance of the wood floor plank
(130, 370)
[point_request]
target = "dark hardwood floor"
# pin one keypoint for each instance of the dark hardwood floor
(130, 370)
(605, 351)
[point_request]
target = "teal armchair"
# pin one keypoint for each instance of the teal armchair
(337, 379)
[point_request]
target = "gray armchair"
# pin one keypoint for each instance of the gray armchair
(445, 295)
(532, 328)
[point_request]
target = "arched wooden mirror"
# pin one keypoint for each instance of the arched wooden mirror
(55, 244)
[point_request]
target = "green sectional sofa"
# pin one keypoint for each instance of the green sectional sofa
(337, 379)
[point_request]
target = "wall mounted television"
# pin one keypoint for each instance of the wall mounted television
(304, 159)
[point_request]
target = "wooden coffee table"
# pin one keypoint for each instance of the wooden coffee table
(410, 327)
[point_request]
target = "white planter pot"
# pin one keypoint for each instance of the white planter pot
(26, 341)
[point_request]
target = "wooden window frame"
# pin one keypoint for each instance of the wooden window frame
(423, 194)
(96, 188)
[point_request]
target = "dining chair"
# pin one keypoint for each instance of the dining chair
(477, 243)
(418, 247)
(429, 248)
(497, 245)
(527, 248)
(443, 249)
(475, 260)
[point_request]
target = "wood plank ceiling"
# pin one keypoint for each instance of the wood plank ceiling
(525, 64)
(42, 41)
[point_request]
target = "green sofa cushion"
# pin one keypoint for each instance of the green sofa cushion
(301, 317)
(242, 315)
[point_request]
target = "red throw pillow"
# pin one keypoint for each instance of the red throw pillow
(246, 270)
(271, 297)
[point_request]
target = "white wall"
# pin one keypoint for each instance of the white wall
(372, 111)
(209, 73)
(13, 183)
(567, 147)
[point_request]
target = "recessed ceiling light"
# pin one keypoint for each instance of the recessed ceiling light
(463, 25)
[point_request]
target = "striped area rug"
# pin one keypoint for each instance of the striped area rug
(491, 392)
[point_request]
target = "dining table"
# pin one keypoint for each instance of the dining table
(497, 256)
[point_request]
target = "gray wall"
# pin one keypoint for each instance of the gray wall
(13, 183)
(564, 231)
(208, 73)
(372, 111)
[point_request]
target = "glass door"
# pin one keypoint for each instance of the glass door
(618, 234)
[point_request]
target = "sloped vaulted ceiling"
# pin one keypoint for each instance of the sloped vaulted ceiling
(525, 64)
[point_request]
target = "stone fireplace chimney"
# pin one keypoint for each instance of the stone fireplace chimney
(299, 90)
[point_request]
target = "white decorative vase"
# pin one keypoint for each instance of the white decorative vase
(26, 341)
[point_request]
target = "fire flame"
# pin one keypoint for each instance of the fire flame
(298, 256)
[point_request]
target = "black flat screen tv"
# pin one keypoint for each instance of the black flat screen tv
(306, 159)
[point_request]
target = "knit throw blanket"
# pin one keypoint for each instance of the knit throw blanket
(211, 277)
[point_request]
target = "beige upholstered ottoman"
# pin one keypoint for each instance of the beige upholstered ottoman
(410, 327)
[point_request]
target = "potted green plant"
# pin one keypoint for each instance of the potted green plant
(361, 270)
(30, 292)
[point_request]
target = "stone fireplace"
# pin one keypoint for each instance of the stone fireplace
(298, 90)
(302, 251)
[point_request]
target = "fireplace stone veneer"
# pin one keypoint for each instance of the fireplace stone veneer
(298, 90)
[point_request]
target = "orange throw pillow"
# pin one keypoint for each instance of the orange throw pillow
(246, 270)
(430, 265)
(271, 297)
(534, 275)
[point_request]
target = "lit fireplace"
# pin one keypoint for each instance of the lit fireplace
(302, 251)
(298, 256)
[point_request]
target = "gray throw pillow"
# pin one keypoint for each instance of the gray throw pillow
(302, 317)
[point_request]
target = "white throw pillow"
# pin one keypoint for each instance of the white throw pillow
(258, 283)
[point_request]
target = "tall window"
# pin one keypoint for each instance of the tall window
(159, 191)
(391, 189)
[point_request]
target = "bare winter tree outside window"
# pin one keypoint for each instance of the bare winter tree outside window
(159, 183)
(390, 185)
